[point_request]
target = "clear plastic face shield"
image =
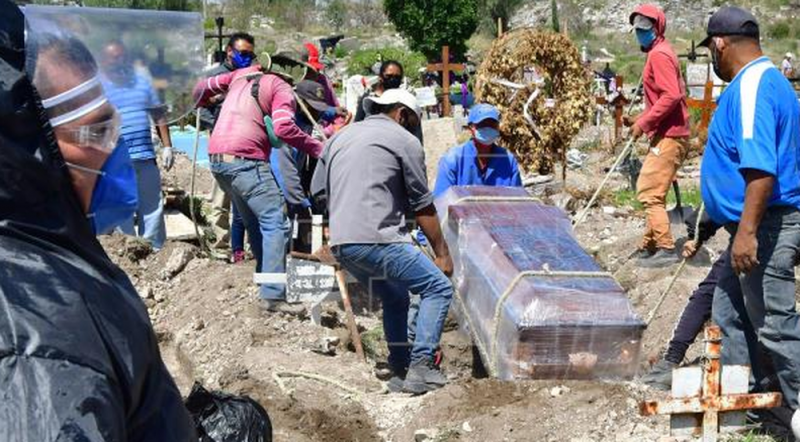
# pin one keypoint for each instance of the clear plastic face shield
(148, 61)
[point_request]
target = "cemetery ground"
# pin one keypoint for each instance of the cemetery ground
(211, 330)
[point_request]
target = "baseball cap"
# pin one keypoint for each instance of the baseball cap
(639, 21)
(395, 96)
(731, 20)
(312, 93)
(481, 112)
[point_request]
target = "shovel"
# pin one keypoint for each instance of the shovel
(678, 214)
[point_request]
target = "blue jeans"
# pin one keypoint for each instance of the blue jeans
(237, 229)
(391, 271)
(259, 201)
(149, 216)
(756, 312)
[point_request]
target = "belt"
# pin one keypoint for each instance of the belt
(226, 158)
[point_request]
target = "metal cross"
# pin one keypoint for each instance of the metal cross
(710, 403)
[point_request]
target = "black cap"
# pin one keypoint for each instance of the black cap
(731, 20)
(312, 93)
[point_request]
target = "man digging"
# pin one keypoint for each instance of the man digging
(665, 121)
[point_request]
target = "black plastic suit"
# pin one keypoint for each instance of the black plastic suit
(78, 357)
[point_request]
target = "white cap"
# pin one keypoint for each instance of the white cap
(394, 96)
(789, 55)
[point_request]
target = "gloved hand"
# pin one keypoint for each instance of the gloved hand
(317, 134)
(167, 157)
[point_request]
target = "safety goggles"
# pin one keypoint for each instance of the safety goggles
(101, 136)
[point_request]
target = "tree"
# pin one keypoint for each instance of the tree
(336, 13)
(428, 25)
(492, 10)
(554, 11)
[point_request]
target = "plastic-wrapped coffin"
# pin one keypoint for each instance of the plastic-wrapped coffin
(538, 305)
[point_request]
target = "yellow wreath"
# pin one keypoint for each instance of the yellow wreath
(543, 92)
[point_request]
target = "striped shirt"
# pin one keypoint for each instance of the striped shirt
(135, 101)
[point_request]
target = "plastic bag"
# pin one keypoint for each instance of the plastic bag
(221, 417)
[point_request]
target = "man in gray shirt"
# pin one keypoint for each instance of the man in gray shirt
(374, 174)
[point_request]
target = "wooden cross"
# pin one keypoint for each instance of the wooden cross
(711, 402)
(707, 105)
(619, 105)
(445, 67)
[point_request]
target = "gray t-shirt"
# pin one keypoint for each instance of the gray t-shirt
(373, 173)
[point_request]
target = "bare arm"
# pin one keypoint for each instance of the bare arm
(744, 252)
(428, 221)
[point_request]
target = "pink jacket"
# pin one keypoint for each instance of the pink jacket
(240, 127)
(666, 113)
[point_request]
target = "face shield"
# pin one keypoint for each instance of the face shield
(148, 61)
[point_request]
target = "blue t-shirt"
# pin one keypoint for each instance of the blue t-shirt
(756, 127)
(134, 102)
(459, 167)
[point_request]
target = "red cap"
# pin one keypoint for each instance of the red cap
(312, 53)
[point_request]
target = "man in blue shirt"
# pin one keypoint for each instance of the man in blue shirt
(133, 95)
(750, 181)
(479, 161)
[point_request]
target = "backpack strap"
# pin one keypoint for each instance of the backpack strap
(255, 89)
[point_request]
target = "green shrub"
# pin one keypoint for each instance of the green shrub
(361, 61)
(779, 30)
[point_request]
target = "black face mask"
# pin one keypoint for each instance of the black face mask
(392, 81)
(406, 122)
(715, 63)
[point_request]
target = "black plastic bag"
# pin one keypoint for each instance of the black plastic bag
(221, 417)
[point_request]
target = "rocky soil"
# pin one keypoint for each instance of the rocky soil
(213, 331)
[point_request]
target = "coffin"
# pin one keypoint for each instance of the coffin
(537, 305)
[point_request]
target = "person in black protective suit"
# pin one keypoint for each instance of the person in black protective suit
(79, 360)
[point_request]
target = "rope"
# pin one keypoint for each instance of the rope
(498, 311)
(588, 205)
(300, 374)
(679, 271)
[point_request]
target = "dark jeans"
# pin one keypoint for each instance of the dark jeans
(237, 229)
(391, 271)
(756, 312)
(259, 200)
(696, 313)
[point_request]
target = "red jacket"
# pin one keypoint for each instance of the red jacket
(666, 113)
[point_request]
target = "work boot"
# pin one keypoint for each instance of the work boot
(423, 376)
(641, 254)
(660, 376)
(396, 382)
(662, 258)
(281, 306)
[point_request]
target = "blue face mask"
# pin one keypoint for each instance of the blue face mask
(646, 37)
(486, 135)
(242, 60)
(115, 196)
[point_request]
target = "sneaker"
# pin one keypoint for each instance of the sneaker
(660, 376)
(662, 258)
(396, 382)
(238, 256)
(423, 376)
(281, 306)
(796, 424)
